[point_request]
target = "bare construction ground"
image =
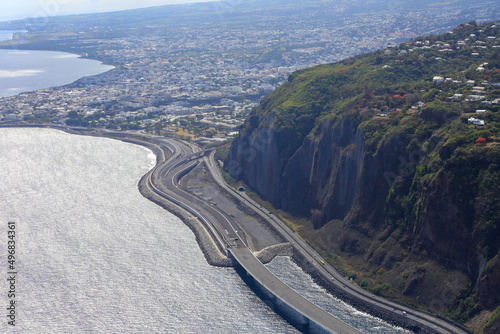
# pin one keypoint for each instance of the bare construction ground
(258, 234)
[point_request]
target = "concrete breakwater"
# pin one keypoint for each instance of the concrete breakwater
(268, 254)
(208, 246)
(210, 249)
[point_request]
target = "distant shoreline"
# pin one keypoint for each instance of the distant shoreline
(13, 45)
(13, 33)
(27, 75)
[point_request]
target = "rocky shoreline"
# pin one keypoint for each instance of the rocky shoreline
(213, 253)
(208, 246)
(268, 254)
(210, 249)
(397, 320)
(215, 256)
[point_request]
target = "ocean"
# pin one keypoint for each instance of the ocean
(92, 255)
(26, 71)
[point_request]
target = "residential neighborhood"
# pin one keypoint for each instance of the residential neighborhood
(203, 79)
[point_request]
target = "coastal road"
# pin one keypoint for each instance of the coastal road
(174, 151)
(332, 276)
(164, 180)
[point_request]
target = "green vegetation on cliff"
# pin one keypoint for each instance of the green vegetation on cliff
(391, 162)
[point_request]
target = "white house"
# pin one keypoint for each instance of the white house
(480, 111)
(475, 121)
(475, 98)
(438, 79)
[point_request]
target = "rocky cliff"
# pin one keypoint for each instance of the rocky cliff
(378, 155)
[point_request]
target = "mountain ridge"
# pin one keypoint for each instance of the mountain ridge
(375, 158)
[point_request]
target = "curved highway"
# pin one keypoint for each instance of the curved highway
(164, 180)
(422, 319)
(182, 157)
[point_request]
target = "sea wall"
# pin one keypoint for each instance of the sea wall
(360, 305)
(210, 249)
(268, 254)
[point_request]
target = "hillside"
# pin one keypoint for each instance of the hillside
(388, 163)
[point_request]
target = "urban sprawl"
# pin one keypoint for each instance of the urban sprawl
(201, 80)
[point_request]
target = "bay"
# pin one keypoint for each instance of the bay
(94, 256)
(26, 71)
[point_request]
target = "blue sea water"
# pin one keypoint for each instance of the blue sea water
(94, 256)
(25, 71)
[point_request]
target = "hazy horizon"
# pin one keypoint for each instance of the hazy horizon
(24, 9)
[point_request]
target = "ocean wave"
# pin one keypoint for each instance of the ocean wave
(17, 52)
(19, 73)
(65, 56)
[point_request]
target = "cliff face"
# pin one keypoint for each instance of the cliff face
(388, 184)
(331, 176)
(322, 177)
(254, 158)
(442, 229)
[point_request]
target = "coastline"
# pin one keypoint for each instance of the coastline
(41, 71)
(14, 46)
(209, 247)
(205, 240)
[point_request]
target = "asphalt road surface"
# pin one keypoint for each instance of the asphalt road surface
(329, 273)
(165, 180)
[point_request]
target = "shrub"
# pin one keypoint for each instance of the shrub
(379, 289)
